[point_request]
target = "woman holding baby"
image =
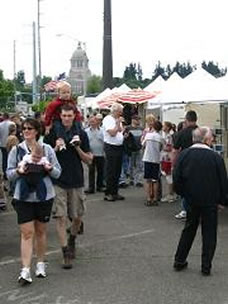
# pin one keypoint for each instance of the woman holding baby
(31, 166)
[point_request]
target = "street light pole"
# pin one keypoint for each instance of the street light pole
(39, 45)
(107, 46)
(34, 83)
(14, 72)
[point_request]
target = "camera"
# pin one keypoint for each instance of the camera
(75, 141)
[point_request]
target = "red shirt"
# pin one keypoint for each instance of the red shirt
(52, 111)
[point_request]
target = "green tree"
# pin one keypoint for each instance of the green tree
(94, 84)
(139, 72)
(130, 72)
(168, 70)
(159, 71)
(44, 80)
(133, 76)
(214, 69)
(20, 80)
(117, 81)
(40, 107)
(1, 75)
(145, 82)
(6, 91)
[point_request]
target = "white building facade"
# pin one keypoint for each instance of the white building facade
(79, 71)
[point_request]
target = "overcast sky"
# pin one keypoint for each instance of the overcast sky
(143, 31)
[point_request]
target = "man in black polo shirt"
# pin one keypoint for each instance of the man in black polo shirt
(72, 147)
(183, 140)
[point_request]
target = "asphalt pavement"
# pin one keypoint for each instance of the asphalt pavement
(124, 257)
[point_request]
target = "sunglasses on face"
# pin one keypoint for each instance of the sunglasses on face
(27, 128)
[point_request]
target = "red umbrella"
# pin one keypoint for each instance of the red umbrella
(132, 97)
(108, 101)
(136, 96)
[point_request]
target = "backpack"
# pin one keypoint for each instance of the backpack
(130, 144)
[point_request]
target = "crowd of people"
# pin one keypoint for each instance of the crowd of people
(43, 156)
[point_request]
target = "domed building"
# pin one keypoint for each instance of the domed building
(79, 71)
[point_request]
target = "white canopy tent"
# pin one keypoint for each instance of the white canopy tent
(93, 103)
(157, 85)
(200, 89)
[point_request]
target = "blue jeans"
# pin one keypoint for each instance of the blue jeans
(124, 169)
(184, 204)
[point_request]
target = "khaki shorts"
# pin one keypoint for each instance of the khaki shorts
(69, 202)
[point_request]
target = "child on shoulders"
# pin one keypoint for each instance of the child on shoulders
(52, 112)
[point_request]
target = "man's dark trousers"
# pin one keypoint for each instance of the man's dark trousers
(114, 156)
(96, 166)
(208, 216)
(4, 161)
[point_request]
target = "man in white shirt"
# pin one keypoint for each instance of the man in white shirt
(113, 139)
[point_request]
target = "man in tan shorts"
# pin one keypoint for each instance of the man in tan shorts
(72, 148)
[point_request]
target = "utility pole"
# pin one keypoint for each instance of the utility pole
(34, 83)
(14, 72)
(39, 45)
(107, 47)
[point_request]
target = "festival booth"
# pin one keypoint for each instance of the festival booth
(202, 92)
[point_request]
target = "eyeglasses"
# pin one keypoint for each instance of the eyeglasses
(27, 128)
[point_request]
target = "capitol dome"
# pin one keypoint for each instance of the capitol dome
(79, 52)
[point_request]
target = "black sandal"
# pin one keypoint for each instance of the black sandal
(148, 203)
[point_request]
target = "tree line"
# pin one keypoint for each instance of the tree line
(133, 75)
(17, 89)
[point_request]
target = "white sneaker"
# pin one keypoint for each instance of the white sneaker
(25, 276)
(181, 215)
(170, 198)
(40, 270)
(164, 199)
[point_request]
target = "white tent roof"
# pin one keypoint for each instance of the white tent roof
(103, 94)
(156, 85)
(174, 78)
(200, 74)
(124, 88)
(198, 87)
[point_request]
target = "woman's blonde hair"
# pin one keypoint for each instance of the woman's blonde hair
(150, 119)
